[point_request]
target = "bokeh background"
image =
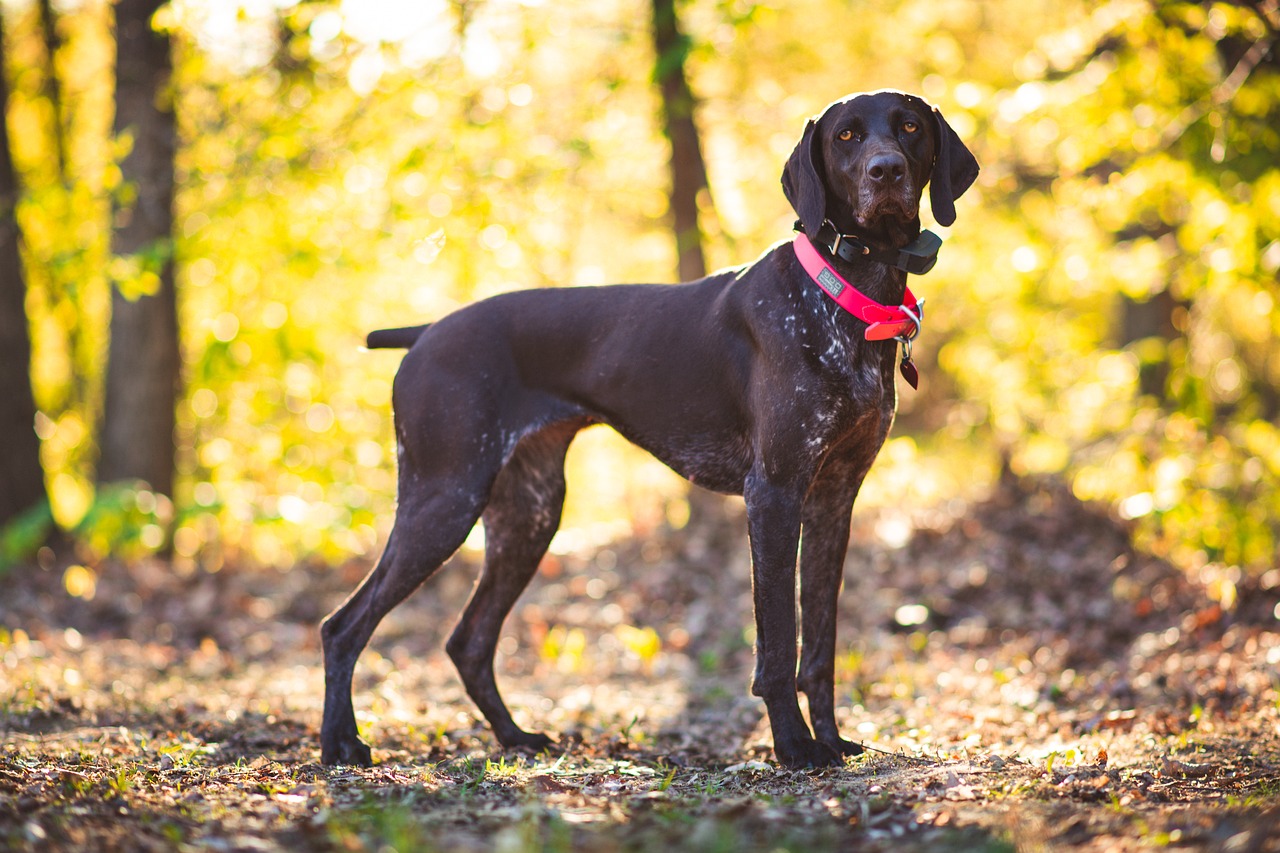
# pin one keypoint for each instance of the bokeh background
(1103, 311)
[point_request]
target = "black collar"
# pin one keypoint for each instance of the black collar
(917, 257)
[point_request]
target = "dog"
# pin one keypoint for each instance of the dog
(774, 381)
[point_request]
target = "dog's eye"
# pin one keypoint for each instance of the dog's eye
(846, 135)
(910, 126)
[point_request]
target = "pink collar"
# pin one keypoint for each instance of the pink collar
(883, 322)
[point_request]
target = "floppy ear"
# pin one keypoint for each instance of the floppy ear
(802, 179)
(954, 171)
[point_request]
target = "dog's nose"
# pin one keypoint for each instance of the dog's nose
(887, 168)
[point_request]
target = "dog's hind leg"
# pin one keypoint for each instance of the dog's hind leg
(522, 516)
(427, 531)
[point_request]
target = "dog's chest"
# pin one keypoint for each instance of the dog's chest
(850, 370)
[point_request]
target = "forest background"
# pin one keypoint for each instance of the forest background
(1104, 310)
(1060, 608)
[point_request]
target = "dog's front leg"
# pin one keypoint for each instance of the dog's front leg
(825, 532)
(773, 524)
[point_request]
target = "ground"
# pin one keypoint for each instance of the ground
(1023, 677)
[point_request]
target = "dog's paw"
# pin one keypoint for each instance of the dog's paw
(845, 747)
(352, 752)
(807, 753)
(534, 742)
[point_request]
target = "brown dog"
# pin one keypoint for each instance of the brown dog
(764, 381)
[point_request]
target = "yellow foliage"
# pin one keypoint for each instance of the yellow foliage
(367, 172)
(644, 643)
(80, 582)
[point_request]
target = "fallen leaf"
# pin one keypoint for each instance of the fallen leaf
(549, 785)
(1173, 767)
(749, 767)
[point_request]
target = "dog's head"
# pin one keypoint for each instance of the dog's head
(864, 161)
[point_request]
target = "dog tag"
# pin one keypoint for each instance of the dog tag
(909, 372)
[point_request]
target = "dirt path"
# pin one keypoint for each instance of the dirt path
(1027, 680)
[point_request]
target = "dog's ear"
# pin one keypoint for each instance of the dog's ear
(954, 171)
(802, 180)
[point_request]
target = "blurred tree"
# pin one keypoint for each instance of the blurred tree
(137, 438)
(688, 181)
(688, 169)
(52, 83)
(21, 476)
(1104, 312)
(1138, 348)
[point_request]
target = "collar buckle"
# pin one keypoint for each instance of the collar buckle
(917, 257)
(851, 245)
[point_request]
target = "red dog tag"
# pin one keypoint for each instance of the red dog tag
(909, 372)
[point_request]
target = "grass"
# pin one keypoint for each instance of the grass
(585, 801)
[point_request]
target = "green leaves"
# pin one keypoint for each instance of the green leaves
(24, 535)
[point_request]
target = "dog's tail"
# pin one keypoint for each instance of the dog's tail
(401, 338)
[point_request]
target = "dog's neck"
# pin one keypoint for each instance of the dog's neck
(867, 286)
(879, 281)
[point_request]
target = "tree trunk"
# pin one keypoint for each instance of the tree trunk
(52, 86)
(1151, 318)
(688, 170)
(707, 519)
(143, 360)
(21, 476)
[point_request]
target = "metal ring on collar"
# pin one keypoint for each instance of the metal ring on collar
(914, 317)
